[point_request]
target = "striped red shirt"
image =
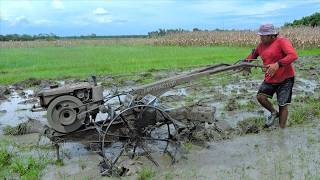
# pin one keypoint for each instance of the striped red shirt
(280, 50)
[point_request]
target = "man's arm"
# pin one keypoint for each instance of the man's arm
(291, 54)
(253, 55)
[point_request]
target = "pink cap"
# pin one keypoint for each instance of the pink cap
(266, 29)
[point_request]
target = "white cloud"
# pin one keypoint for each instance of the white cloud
(104, 19)
(91, 19)
(57, 4)
(101, 16)
(100, 11)
(19, 20)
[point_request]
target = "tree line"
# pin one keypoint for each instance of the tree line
(51, 37)
(163, 32)
(312, 20)
(26, 37)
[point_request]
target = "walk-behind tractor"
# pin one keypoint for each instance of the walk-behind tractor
(135, 122)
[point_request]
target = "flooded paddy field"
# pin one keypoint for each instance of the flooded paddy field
(236, 146)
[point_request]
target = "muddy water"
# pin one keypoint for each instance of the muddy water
(176, 92)
(78, 163)
(177, 98)
(292, 153)
(242, 92)
(306, 85)
(289, 154)
(15, 110)
(281, 154)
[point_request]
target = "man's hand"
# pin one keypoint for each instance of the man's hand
(244, 61)
(265, 68)
(272, 68)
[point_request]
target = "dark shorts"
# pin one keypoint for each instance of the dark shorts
(283, 90)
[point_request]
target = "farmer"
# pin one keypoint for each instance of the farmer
(278, 56)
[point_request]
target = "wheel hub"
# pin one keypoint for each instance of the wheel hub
(67, 116)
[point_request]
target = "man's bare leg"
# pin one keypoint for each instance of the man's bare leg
(263, 100)
(283, 115)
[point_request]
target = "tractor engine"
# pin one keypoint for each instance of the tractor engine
(71, 106)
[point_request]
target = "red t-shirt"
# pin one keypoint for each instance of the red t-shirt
(280, 50)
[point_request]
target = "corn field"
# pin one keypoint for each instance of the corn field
(301, 37)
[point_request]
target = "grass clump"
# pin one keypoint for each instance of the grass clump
(145, 78)
(4, 157)
(59, 162)
(18, 130)
(232, 105)
(222, 79)
(82, 163)
(14, 165)
(206, 81)
(187, 146)
(251, 125)
(27, 168)
(250, 105)
(108, 83)
(146, 174)
(9, 130)
(169, 176)
(306, 109)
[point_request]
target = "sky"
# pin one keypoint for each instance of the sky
(121, 17)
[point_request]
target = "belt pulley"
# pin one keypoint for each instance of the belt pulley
(62, 114)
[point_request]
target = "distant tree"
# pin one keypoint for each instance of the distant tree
(26, 37)
(196, 29)
(163, 32)
(312, 20)
(153, 34)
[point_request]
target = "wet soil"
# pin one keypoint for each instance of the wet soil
(237, 147)
(292, 153)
